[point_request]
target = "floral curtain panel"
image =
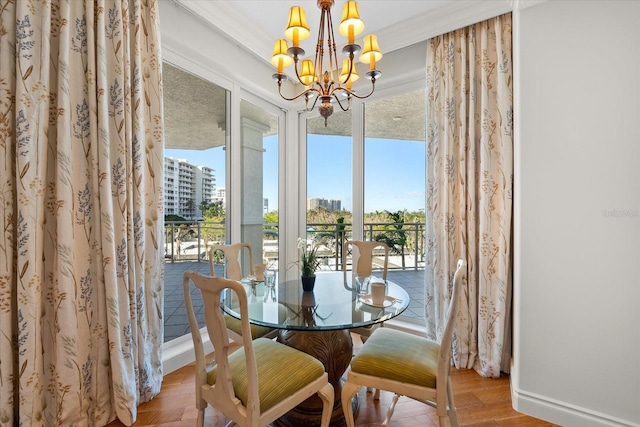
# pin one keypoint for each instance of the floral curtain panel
(81, 142)
(469, 189)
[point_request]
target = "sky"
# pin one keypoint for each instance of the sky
(394, 171)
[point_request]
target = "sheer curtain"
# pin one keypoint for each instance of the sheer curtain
(80, 262)
(469, 189)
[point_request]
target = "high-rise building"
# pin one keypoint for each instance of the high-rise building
(221, 195)
(186, 186)
(329, 204)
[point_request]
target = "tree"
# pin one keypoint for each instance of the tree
(190, 205)
(203, 206)
(396, 239)
(215, 210)
(340, 231)
(271, 217)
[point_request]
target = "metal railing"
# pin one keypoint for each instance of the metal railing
(403, 239)
(189, 240)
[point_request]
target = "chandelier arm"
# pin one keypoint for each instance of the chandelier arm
(315, 101)
(348, 76)
(340, 103)
(295, 63)
(295, 66)
(311, 89)
(355, 95)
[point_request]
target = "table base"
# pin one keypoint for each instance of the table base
(335, 350)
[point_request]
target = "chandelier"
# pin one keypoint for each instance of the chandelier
(320, 83)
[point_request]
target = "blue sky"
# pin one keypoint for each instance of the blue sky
(394, 171)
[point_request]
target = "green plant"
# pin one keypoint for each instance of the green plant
(309, 262)
(397, 238)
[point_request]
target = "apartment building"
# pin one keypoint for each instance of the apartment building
(186, 187)
(329, 204)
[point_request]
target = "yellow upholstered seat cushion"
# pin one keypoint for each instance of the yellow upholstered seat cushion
(234, 324)
(399, 356)
(282, 370)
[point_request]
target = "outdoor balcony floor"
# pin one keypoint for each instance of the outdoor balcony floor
(175, 313)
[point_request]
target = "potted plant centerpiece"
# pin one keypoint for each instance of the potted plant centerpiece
(309, 263)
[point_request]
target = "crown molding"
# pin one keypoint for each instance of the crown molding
(232, 24)
(450, 17)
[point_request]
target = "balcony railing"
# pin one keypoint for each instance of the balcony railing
(189, 241)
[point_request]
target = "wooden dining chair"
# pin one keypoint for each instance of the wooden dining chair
(233, 271)
(232, 256)
(259, 382)
(362, 256)
(408, 365)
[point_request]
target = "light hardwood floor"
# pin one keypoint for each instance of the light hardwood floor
(481, 402)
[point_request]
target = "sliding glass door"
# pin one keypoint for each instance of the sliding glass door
(394, 175)
(365, 179)
(329, 191)
(195, 176)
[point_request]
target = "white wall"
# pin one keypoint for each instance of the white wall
(577, 218)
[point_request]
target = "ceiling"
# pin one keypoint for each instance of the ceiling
(194, 108)
(256, 24)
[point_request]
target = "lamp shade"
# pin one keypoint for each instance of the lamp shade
(345, 72)
(371, 51)
(307, 73)
(297, 28)
(351, 24)
(280, 58)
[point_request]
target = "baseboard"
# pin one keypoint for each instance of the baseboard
(179, 352)
(561, 413)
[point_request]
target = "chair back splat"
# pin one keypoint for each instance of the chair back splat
(363, 256)
(232, 255)
(259, 382)
(233, 270)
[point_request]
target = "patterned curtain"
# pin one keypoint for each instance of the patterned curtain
(81, 142)
(469, 189)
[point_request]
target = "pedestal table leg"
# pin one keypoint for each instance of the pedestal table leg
(334, 349)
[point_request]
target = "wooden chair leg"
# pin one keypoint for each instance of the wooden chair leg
(348, 391)
(453, 415)
(392, 408)
(327, 396)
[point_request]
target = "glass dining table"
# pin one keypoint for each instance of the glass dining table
(318, 323)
